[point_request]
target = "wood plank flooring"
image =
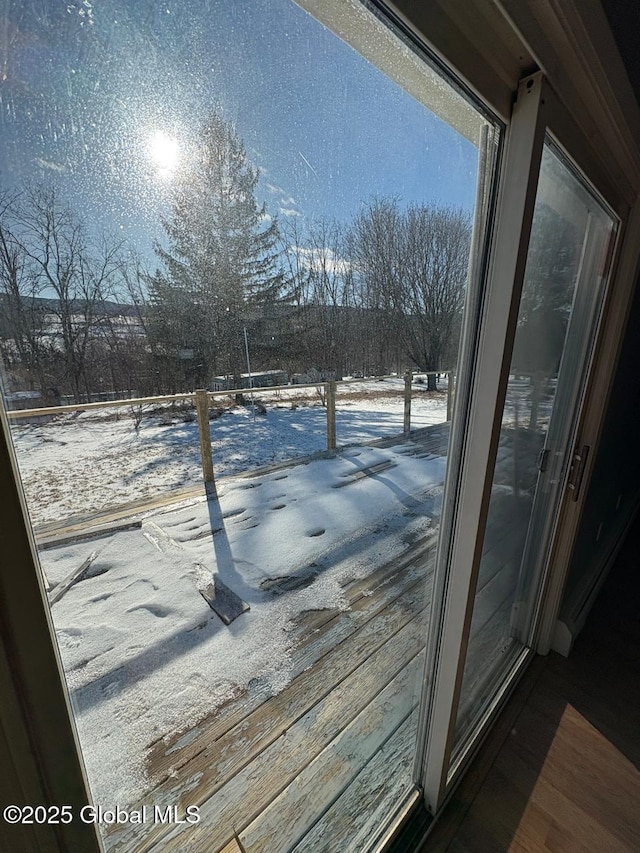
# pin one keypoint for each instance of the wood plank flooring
(567, 774)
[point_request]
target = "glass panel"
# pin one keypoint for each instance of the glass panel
(230, 198)
(561, 297)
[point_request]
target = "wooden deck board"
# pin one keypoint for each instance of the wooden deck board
(364, 806)
(232, 847)
(484, 653)
(380, 585)
(297, 807)
(382, 637)
(503, 545)
(364, 706)
(337, 648)
(328, 635)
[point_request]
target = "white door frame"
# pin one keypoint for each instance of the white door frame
(468, 486)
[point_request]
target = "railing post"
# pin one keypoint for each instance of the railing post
(536, 381)
(450, 381)
(408, 379)
(202, 408)
(331, 415)
(516, 460)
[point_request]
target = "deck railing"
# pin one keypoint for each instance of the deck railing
(202, 399)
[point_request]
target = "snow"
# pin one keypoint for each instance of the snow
(145, 656)
(85, 462)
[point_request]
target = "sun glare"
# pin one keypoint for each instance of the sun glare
(164, 152)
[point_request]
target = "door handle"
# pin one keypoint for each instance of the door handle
(576, 474)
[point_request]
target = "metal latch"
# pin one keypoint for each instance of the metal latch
(578, 465)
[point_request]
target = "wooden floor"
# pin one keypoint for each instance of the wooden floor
(567, 775)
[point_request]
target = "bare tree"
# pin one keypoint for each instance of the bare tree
(22, 337)
(411, 267)
(377, 259)
(50, 251)
(120, 355)
(324, 295)
(436, 248)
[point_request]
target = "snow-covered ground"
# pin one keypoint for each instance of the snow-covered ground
(145, 655)
(85, 462)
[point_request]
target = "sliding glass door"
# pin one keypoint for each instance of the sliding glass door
(517, 426)
(563, 288)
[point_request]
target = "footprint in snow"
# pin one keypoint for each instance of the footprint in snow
(315, 531)
(233, 512)
(102, 597)
(288, 583)
(141, 583)
(111, 689)
(69, 637)
(178, 523)
(154, 609)
(97, 569)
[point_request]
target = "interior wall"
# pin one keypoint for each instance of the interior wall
(614, 490)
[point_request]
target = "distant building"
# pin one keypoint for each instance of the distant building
(262, 379)
(22, 399)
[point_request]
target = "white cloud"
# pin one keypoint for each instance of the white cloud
(289, 211)
(287, 205)
(321, 260)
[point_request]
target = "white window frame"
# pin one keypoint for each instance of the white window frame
(458, 564)
(463, 521)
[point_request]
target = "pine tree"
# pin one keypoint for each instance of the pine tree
(220, 262)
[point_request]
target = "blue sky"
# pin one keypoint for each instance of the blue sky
(87, 84)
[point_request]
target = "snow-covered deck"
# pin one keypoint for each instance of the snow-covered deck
(282, 726)
(307, 768)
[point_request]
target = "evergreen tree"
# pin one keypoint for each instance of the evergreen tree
(220, 262)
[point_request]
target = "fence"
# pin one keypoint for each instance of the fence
(202, 400)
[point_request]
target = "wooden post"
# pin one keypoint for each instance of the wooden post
(331, 416)
(516, 466)
(202, 407)
(450, 381)
(536, 381)
(408, 378)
